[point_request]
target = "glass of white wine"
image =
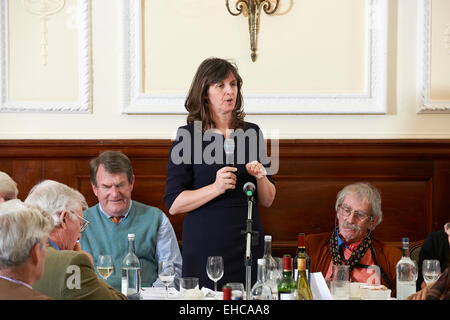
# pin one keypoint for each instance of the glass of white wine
(105, 266)
(431, 269)
(166, 274)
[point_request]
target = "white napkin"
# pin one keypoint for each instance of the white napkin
(158, 293)
(209, 294)
(319, 288)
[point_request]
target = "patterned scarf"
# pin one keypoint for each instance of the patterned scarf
(338, 256)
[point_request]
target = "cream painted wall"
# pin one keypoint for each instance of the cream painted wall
(291, 57)
(107, 122)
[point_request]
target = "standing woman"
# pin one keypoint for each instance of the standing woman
(211, 192)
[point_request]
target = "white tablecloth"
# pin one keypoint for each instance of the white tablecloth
(159, 293)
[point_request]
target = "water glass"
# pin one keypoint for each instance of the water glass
(374, 274)
(340, 284)
(188, 285)
(237, 290)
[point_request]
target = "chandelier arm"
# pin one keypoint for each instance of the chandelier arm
(267, 5)
(239, 7)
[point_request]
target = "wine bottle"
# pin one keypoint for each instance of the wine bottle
(131, 272)
(272, 274)
(301, 249)
(260, 290)
(303, 290)
(406, 273)
(287, 287)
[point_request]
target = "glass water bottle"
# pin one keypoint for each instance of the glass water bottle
(131, 272)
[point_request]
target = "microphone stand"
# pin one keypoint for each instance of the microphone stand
(248, 252)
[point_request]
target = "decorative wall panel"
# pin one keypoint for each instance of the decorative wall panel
(371, 99)
(433, 56)
(45, 56)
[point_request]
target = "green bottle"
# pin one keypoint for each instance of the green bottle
(287, 287)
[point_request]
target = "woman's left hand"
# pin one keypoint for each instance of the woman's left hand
(256, 169)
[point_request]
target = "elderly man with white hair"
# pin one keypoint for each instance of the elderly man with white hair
(69, 272)
(358, 212)
(23, 235)
(8, 187)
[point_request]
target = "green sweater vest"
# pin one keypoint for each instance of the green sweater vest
(103, 236)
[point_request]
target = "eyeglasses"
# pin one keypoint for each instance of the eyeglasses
(83, 224)
(359, 215)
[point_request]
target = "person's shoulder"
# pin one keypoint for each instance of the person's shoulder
(189, 127)
(436, 235)
(386, 248)
(318, 238)
(321, 235)
(91, 210)
(67, 256)
(250, 125)
(36, 295)
(183, 132)
(146, 208)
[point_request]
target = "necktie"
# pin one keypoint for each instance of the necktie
(115, 219)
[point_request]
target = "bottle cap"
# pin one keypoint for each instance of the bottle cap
(131, 235)
(287, 262)
(301, 239)
(268, 238)
(405, 239)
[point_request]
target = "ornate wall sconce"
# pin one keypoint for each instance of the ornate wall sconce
(253, 9)
(43, 9)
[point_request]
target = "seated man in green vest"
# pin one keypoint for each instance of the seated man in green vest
(69, 272)
(116, 215)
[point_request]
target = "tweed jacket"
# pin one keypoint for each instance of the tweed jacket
(70, 275)
(15, 291)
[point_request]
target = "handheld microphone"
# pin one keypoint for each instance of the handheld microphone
(249, 189)
(228, 146)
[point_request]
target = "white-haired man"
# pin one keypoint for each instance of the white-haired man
(23, 235)
(8, 188)
(358, 212)
(69, 272)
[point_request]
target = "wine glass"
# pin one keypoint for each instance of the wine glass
(214, 269)
(166, 274)
(105, 266)
(431, 269)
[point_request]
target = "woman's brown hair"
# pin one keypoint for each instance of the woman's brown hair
(210, 71)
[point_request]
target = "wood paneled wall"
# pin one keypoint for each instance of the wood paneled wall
(412, 175)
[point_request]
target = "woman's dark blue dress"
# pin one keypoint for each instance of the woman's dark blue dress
(215, 229)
